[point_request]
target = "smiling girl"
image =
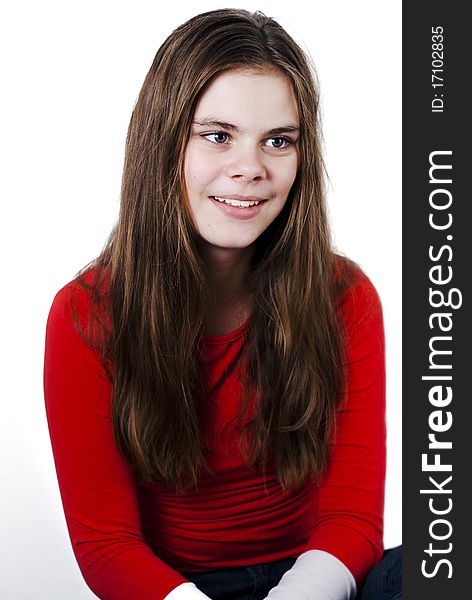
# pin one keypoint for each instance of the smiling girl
(214, 380)
(240, 164)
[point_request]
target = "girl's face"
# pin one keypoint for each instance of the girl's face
(242, 158)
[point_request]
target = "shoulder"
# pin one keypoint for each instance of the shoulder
(74, 303)
(358, 301)
(353, 285)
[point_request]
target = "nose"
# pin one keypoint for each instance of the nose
(247, 164)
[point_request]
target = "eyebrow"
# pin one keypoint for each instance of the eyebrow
(236, 129)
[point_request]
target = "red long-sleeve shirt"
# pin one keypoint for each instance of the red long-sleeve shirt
(132, 540)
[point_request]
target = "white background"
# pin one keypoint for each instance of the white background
(71, 72)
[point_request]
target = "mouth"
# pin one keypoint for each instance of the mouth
(238, 207)
(239, 201)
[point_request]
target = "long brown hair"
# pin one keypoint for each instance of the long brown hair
(152, 312)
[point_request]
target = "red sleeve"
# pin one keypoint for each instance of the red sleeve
(97, 489)
(351, 496)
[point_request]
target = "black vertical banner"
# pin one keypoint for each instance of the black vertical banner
(437, 269)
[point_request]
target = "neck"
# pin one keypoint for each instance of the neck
(226, 269)
(228, 297)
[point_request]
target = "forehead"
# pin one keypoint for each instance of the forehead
(249, 98)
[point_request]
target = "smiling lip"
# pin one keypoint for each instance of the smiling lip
(243, 198)
(241, 214)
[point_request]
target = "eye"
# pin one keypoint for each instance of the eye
(217, 137)
(279, 143)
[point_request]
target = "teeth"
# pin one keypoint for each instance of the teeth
(238, 203)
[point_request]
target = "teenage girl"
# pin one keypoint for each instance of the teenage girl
(214, 380)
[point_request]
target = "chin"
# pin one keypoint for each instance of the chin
(231, 243)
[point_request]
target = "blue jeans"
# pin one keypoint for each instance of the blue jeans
(384, 582)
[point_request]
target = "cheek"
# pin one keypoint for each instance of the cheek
(191, 171)
(199, 171)
(287, 176)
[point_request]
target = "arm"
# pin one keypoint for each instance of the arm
(97, 489)
(315, 575)
(347, 540)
